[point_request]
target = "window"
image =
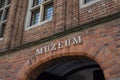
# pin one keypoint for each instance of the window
(39, 11)
(84, 3)
(2, 3)
(87, 1)
(36, 2)
(4, 9)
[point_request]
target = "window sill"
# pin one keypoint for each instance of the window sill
(30, 27)
(88, 4)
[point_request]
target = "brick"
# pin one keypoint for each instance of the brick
(101, 42)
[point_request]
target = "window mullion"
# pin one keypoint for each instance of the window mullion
(41, 12)
(29, 13)
(29, 18)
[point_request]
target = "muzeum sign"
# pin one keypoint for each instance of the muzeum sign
(59, 45)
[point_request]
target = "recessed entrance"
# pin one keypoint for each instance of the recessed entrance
(81, 68)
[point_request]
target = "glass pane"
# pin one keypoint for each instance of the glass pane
(48, 13)
(35, 17)
(87, 1)
(6, 14)
(0, 15)
(8, 2)
(2, 30)
(36, 2)
(2, 3)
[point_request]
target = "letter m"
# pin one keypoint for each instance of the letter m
(39, 51)
(77, 40)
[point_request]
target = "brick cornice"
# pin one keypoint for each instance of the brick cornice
(65, 32)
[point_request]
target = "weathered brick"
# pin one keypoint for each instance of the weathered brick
(101, 41)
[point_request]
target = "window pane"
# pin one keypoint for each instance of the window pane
(87, 1)
(0, 15)
(8, 2)
(2, 3)
(36, 2)
(35, 17)
(2, 30)
(6, 14)
(48, 13)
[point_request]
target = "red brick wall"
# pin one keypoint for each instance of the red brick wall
(100, 43)
(67, 15)
(5, 43)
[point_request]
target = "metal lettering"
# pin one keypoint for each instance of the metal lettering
(53, 47)
(67, 42)
(47, 49)
(60, 45)
(77, 40)
(39, 51)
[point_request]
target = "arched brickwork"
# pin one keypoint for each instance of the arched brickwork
(90, 48)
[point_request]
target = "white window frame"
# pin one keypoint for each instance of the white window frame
(3, 15)
(29, 14)
(82, 4)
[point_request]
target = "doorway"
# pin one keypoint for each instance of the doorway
(75, 69)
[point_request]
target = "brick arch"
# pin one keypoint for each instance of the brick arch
(89, 48)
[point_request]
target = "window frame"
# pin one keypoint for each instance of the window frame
(82, 4)
(5, 12)
(29, 13)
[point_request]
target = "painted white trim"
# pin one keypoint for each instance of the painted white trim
(82, 5)
(4, 21)
(41, 13)
(28, 15)
(41, 23)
